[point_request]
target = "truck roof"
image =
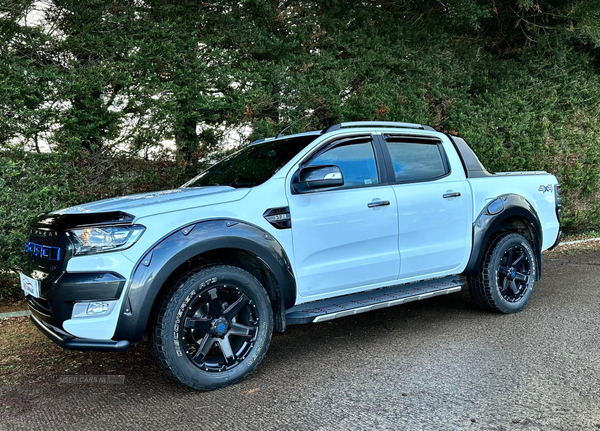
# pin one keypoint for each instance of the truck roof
(347, 125)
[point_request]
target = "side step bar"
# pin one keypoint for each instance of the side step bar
(341, 306)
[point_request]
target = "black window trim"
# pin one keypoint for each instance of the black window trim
(425, 140)
(378, 153)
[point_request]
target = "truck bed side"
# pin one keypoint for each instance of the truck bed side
(537, 188)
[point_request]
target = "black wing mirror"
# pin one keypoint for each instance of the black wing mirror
(317, 177)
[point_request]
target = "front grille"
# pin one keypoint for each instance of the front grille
(45, 249)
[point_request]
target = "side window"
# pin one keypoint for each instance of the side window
(355, 159)
(416, 161)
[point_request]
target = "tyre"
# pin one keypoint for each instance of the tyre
(506, 275)
(213, 327)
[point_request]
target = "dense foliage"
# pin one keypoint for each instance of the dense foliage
(100, 98)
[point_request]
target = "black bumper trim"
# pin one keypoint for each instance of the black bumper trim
(83, 344)
(558, 238)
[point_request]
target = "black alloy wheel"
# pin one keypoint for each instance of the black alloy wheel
(219, 328)
(514, 273)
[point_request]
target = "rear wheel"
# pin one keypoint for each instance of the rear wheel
(213, 327)
(506, 276)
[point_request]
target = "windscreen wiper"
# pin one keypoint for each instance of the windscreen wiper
(241, 184)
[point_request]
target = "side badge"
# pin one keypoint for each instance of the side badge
(545, 189)
(279, 217)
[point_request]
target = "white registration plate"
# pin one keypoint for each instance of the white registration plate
(30, 286)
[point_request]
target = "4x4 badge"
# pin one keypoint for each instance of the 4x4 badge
(545, 189)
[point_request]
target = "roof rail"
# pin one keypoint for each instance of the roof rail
(258, 141)
(376, 124)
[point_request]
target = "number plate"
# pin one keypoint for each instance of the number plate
(30, 286)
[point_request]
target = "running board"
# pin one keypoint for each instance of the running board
(341, 306)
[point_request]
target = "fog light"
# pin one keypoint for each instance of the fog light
(93, 309)
(96, 308)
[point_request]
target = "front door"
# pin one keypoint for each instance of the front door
(346, 237)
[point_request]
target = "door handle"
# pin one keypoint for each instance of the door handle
(451, 195)
(378, 204)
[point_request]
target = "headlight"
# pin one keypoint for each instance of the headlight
(104, 238)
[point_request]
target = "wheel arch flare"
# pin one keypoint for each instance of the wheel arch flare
(219, 240)
(508, 212)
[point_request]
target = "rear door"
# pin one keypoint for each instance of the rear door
(346, 237)
(433, 206)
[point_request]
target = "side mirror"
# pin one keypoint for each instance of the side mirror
(317, 177)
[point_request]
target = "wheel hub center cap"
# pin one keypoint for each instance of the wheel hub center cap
(220, 326)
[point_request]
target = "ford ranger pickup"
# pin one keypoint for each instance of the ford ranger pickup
(295, 229)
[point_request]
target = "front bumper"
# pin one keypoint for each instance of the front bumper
(60, 294)
(53, 311)
(73, 343)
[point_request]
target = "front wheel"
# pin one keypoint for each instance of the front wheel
(213, 328)
(506, 276)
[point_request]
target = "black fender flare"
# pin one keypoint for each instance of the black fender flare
(494, 213)
(173, 250)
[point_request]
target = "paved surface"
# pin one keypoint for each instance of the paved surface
(439, 364)
(14, 314)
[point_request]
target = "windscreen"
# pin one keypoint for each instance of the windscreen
(252, 165)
